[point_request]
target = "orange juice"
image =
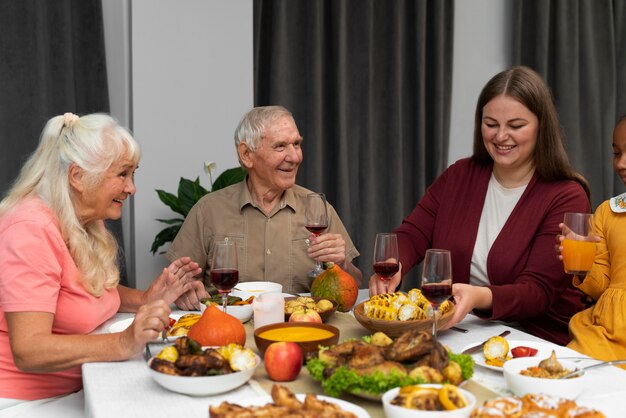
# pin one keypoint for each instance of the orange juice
(578, 256)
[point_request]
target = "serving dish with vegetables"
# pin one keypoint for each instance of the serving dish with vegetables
(375, 364)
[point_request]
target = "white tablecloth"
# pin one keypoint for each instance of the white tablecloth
(124, 389)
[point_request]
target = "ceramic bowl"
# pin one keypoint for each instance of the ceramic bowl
(395, 411)
(202, 385)
(397, 328)
(298, 332)
(521, 385)
(246, 289)
(241, 312)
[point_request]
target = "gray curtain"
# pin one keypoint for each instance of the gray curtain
(369, 83)
(579, 46)
(53, 61)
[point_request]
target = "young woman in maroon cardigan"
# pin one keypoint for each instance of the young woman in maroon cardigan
(499, 211)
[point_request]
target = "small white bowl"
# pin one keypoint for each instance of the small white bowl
(395, 411)
(202, 385)
(521, 385)
(241, 312)
(246, 289)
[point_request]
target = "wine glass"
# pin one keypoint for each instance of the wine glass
(437, 280)
(316, 221)
(224, 270)
(386, 257)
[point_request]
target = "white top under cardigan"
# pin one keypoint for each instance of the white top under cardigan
(499, 203)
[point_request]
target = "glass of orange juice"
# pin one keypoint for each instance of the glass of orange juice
(579, 245)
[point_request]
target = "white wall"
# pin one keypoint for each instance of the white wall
(191, 81)
(481, 35)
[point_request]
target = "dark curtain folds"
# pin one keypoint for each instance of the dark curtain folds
(53, 61)
(580, 48)
(369, 85)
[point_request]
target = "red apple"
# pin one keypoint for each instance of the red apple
(283, 361)
(305, 315)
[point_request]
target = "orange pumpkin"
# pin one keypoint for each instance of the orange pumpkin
(216, 328)
(334, 283)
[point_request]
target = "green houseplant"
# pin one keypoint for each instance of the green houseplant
(189, 192)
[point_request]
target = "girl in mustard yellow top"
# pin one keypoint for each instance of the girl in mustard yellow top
(600, 331)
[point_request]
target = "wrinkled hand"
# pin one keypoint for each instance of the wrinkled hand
(150, 320)
(377, 286)
(176, 279)
(190, 300)
(327, 247)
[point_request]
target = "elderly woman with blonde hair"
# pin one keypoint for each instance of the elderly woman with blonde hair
(59, 279)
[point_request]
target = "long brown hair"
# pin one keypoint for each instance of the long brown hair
(527, 87)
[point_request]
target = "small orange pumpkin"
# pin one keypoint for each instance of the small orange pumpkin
(216, 328)
(335, 284)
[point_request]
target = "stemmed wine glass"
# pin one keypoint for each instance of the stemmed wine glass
(224, 269)
(316, 221)
(386, 257)
(437, 280)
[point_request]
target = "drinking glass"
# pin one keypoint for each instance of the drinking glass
(386, 257)
(579, 245)
(224, 270)
(437, 280)
(316, 221)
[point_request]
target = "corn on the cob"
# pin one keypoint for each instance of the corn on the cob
(405, 307)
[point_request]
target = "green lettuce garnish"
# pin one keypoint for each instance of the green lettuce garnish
(344, 379)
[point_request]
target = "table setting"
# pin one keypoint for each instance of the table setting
(127, 388)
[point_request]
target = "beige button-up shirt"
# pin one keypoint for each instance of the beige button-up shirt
(269, 248)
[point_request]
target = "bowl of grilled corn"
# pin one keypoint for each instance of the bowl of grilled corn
(395, 313)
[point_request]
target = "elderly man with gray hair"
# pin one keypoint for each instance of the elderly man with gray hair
(265, 213)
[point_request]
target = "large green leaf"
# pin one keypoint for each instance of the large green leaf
(166, 235)
(228, 177)
(170, 200)
(172, 221)
(189, 192)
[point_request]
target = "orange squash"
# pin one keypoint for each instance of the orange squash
(334, 283)
(216, 328)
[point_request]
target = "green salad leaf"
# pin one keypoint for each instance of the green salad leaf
(344, 379)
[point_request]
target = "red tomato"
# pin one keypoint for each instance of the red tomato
(523, 351)
(172, 322)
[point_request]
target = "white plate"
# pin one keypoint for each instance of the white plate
(203, 385)
(543, 351)
(122, 324)
(263, 400)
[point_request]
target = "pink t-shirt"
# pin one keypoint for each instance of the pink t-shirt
(38, 274)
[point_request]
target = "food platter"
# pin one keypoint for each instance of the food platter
(324, 315)
(202, 385)
(345, 405)
(396, 328)
(543, 351)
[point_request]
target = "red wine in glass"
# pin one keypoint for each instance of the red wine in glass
(437, 280)
(386, 268)
(316, 221)
(437, 293)
(386, 257)
(224, 272)
(224, 279)
(316, 229)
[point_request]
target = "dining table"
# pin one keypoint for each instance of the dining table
(125, 388)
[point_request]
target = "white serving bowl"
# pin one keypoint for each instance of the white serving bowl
(246, 289)
(521, 385)
(202, 385)
(241, 312)
(395, 411)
